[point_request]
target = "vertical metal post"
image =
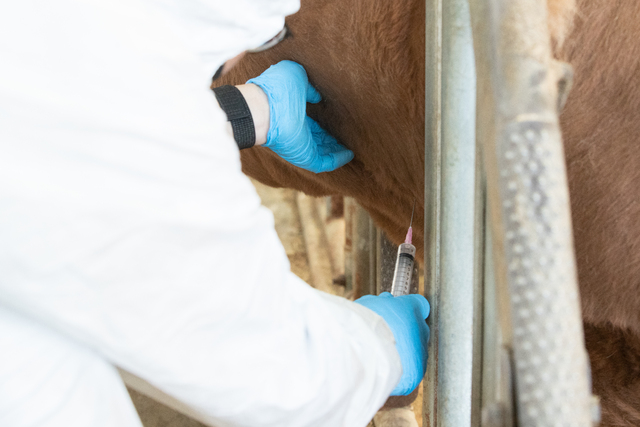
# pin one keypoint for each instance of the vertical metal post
(432, 186)
(349, 213)
(497, 388)
(451, 215)
(364, 277)
(360, 250)
(386, 262)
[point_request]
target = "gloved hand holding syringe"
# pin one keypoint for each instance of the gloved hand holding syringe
(405, 314)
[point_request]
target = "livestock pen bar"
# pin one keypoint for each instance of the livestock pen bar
(507, 344)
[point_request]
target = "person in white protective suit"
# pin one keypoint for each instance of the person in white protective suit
(130, 239)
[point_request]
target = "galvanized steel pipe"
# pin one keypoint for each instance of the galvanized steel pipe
(450, 205)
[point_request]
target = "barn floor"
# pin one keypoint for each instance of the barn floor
(314, 246)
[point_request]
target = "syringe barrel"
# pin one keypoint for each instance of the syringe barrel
(404, 269)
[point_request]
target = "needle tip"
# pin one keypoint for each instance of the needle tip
(412, 211)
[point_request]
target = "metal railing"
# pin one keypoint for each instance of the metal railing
(509, 276)
(451, 217)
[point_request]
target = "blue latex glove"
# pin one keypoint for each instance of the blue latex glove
(405, 316)
(292, 134)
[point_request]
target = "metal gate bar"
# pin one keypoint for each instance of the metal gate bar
(450, 204)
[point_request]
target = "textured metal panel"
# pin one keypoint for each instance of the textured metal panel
(547, 330)
(528, 198)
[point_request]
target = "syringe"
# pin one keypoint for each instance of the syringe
(404, 263)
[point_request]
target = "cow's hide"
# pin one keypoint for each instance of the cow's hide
(366, 58)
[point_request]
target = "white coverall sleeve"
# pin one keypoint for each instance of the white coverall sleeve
(128, 229)
(48, 380)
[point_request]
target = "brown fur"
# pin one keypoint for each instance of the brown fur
(601, 132)
(367, 59)
(615, 364)
(356, 53)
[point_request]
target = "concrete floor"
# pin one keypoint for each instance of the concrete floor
(300, 236)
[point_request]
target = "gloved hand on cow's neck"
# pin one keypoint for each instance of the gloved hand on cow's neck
(292, 134)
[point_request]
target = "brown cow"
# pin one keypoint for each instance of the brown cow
(367, 60)
(601, 131)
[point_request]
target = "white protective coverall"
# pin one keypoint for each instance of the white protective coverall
(129, 236)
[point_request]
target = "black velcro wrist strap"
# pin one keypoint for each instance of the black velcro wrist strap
(234, 105)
